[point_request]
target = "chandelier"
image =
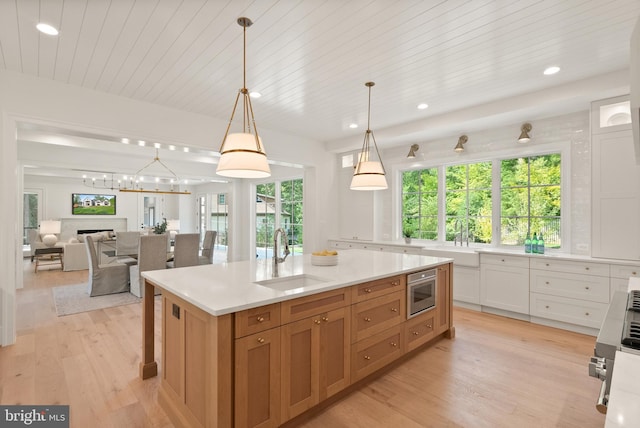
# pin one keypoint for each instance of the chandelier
(136, 183)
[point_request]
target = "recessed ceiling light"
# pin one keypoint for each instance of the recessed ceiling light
(172, 147)
(125, 141)
(186, 149)
(47, 29)
(353, 125)
(255, 94)
(551, 70)
(423, 106)
(156, 145)
(141, 143)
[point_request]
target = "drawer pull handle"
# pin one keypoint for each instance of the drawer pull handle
(586, 288)
(394, 309)
(366, 357)
(416, 333)
(633, 273)
(316, 321)
(587, 268)
(546, 282)
(394, 283)
(260, 319)
(502, 260)
(260, 340)
(395, 345)
(368, 290)
(546, 264)
(429, 326)
(367, 319)
(546, 306)
(587, 313)
(325, 319)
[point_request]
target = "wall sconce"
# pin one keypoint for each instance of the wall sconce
(524, 135)
(412, 151)
(459, 147)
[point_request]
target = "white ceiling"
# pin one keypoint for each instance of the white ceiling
(476, 63)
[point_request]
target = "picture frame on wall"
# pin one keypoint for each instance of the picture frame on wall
(93, 204)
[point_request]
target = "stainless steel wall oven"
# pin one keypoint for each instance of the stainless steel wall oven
(421, 292)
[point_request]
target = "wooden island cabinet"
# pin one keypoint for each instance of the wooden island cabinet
(264, 366)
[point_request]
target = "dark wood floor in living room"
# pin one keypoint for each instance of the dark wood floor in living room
(497, 372)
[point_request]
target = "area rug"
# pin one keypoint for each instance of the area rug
(73, 299)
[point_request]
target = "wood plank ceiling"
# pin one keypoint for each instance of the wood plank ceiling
(310, 58)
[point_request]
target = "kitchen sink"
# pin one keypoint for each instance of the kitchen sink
(290, 282)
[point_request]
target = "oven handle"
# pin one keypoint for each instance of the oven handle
(603, 399)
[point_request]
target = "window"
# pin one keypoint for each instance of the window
(468, 202)
(420, 204)
(530, 199)
(291, 213)
(219, 220)
(279, 203)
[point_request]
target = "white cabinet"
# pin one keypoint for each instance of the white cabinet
(620, 275)
(575, 292)
(466, 285)
(615, 197)
(504, 282)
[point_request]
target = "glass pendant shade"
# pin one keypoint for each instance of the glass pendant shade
(243, 158)
(369, 175)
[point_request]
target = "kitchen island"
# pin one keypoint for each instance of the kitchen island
(241, 347)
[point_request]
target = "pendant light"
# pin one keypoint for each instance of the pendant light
(242, 154)
(369, 173)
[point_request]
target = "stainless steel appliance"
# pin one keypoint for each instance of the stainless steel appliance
(421, 292)
(620, 331)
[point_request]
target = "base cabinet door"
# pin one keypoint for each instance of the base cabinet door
(504, 282)
(315, 360)
(257, 380)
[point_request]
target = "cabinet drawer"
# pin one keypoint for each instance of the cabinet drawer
(303, 307)
(419, 330)
(375, 315)
(588, 268)
(580, 312)
(502, 260)
(376, 352)
(585, 287)
(257, 319)
(625, 271)
(373, 289)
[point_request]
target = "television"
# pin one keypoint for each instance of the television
(93, 204)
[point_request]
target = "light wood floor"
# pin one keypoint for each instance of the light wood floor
(497, 372)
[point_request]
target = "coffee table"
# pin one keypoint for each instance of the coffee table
(49, 256)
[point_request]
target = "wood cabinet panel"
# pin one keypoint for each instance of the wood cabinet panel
(257, 319)
(194, 357)
(375, 315)
(257, 380)
(315, 360)
(420, 330)
(443, 297)
(173, 341)
(380, 287)
(303, 307)
(375, 352)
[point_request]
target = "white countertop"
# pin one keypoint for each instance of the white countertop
(221, 289)
(623, 409)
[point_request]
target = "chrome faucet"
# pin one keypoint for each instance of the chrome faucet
(277, 259)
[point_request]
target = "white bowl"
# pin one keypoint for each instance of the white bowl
(324, 260)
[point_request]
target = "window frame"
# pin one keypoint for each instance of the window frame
(561, 147)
